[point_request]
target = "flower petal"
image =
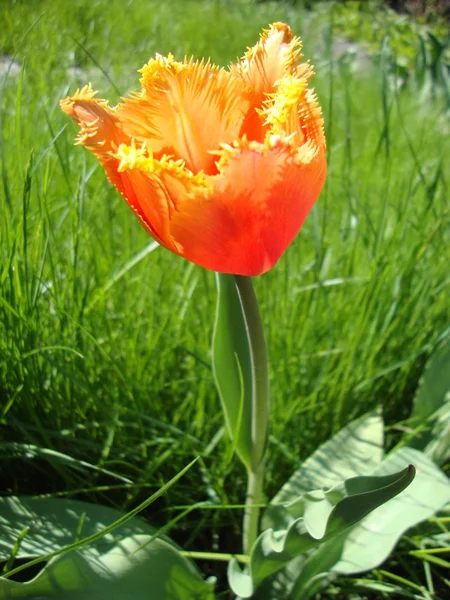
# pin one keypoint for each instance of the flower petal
(221, 167)
(259, 203)
(100, 129)
(155, 187)
(293, 110)
(274, 56)
(99, 126)
(102, 134)
(185, 110)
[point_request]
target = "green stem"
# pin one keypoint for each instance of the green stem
(221, 557)
(260, 409)
(252, 509)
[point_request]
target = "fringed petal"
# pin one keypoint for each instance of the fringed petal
(100, 129)
(221, 167)
(292, 110)
(155, 188)
(273, 57)
(185, 110)
(260, 200)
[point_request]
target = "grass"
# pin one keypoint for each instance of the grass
(104, 339)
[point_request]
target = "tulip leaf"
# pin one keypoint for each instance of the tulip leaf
(308, 573)
(380, 531)
(431, 406)
(354, 450)
(232, 365)
(368, 543)
(324, 515)
(138, 567)
(126, 562)
(54, 523)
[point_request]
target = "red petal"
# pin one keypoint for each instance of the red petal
(258, 206)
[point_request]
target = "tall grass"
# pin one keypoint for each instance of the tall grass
(104, 338)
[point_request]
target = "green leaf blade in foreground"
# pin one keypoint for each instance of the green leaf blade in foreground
(355, 450)
(93, 552)
(126, 562)
(231, 361)
(139, 567)
(369, 543)
(380, 531)
(348, 503)
(55, 523)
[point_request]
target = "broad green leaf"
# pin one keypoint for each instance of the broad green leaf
(357, 449)
(379, 532)
(304, 576)
(127, 562)
(232, 365)
(371, 541)
(431, 406)
(56, 523)
(37, 516)
(279, 585)
(339, 509)
(138, 567)
(317, 569)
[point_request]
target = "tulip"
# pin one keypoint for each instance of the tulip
(221, 166)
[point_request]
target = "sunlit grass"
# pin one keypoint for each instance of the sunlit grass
(104, 340)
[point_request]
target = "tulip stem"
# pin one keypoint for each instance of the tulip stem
(250, 528)
(260, 409)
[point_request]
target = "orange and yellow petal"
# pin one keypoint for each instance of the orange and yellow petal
(101, 132)
(100, 129)
(256, 209)
(293, 111)
(272, 58)
(185, 110)
(221, 167)
(155, 188)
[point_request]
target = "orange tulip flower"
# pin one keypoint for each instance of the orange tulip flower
(221, 166)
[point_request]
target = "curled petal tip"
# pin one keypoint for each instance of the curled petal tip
(284, 29)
